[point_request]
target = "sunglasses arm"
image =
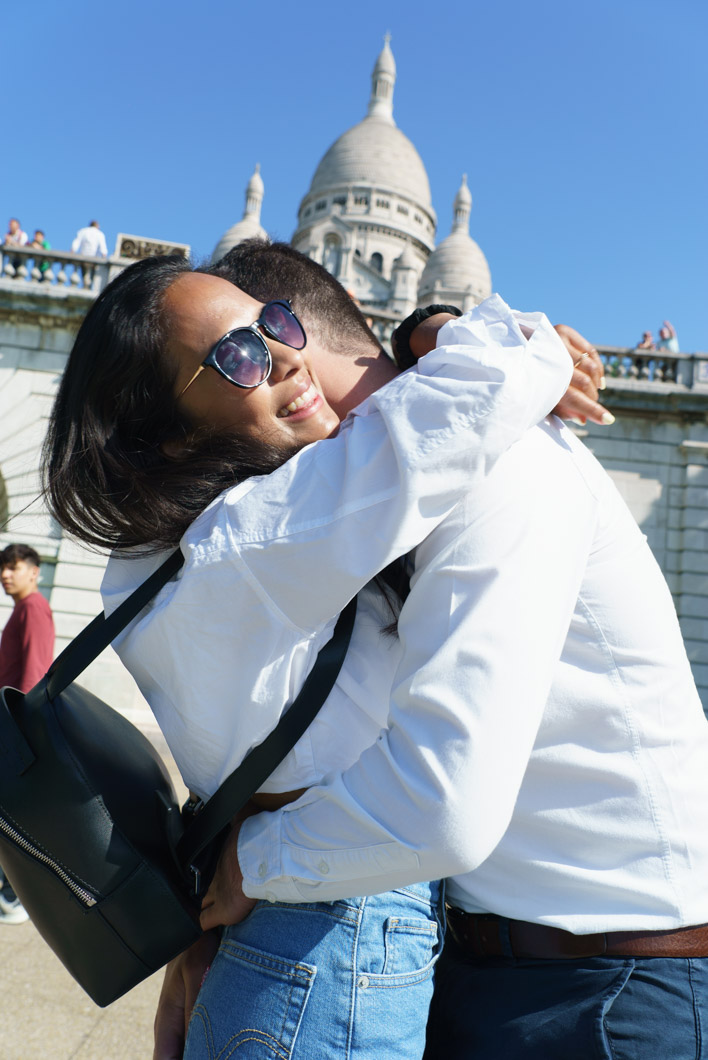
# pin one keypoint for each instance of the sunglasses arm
(198, 371)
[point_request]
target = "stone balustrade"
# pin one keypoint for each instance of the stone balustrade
(44, 269)
(627, 368)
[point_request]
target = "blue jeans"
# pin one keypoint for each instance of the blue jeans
(597, 1008)
(350, 979)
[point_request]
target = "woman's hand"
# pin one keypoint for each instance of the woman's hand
(183, 979)
(225, 903)
(580, 402)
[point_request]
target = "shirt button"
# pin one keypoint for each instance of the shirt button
(323, 867)
(363, 981)
(270, 897)
(262, 869)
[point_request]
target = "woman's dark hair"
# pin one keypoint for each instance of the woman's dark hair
(107, 478)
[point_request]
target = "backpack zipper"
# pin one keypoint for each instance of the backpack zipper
(83, 895)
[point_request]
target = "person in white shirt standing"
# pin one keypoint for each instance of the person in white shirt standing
(546, 748)
(91, 242)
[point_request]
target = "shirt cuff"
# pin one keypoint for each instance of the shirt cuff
(276, 870)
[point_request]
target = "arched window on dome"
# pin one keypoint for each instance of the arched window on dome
(376, 261)
(332, 259)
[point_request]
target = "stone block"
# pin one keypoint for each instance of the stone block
(649, 453)
(15, 388)
(693, 518)
(22, 463)
(692, 561)
(692, 584)
(697, 651)
(693, 540)
(15, 420)
(695, 496)
(76, 601)
(700, 676)
(674, 540)
(78, 576)
(28, 526)
(21, 336)
(693, 606)
(9, 360)
(58, 340)
(72, 552)
(697, 475)
(610, 449)
(43, 361)
(694, 629)
(45, 383)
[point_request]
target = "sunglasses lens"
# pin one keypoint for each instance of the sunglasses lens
(243, 358)
(283, 326)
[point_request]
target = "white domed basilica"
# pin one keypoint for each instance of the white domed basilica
(368, 218)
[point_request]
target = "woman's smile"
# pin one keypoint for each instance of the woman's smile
(306, 402)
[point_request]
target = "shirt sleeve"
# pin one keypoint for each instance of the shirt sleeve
(342, 510)
(482, 633)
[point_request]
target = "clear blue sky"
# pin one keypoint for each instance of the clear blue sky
(582, 129)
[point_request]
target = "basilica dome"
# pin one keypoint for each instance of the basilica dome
(371, 178)
(375, 152)
(457, 271)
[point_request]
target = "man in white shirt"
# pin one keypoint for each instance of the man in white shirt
(91, 242)
(572, 831)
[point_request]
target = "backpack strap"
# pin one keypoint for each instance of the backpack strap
(260, 762)
(99, 633)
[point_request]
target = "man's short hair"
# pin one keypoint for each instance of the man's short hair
(267, 270)
(13, 554)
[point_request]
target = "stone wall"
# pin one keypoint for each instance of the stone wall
(36, 333)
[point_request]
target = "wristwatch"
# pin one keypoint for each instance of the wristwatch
(400, 339)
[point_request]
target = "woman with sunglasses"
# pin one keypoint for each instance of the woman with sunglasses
(179, 389)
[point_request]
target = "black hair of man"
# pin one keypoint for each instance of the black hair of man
(13, 554)
(266, 271)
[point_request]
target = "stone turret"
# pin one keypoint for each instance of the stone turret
(249, 226)
(457, 271)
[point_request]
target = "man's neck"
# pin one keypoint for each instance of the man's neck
(356, 379)
(18, 597)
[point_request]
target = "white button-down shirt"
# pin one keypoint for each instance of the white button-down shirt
(223, 649)
(90, 241)
(545, 745)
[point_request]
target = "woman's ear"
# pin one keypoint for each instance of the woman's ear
(174, 448)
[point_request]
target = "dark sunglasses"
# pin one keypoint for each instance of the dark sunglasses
(242, 355)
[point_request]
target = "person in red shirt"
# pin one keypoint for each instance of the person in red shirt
(27, 642)
(26, 650)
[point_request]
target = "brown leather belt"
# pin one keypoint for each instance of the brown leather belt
(485, 935)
